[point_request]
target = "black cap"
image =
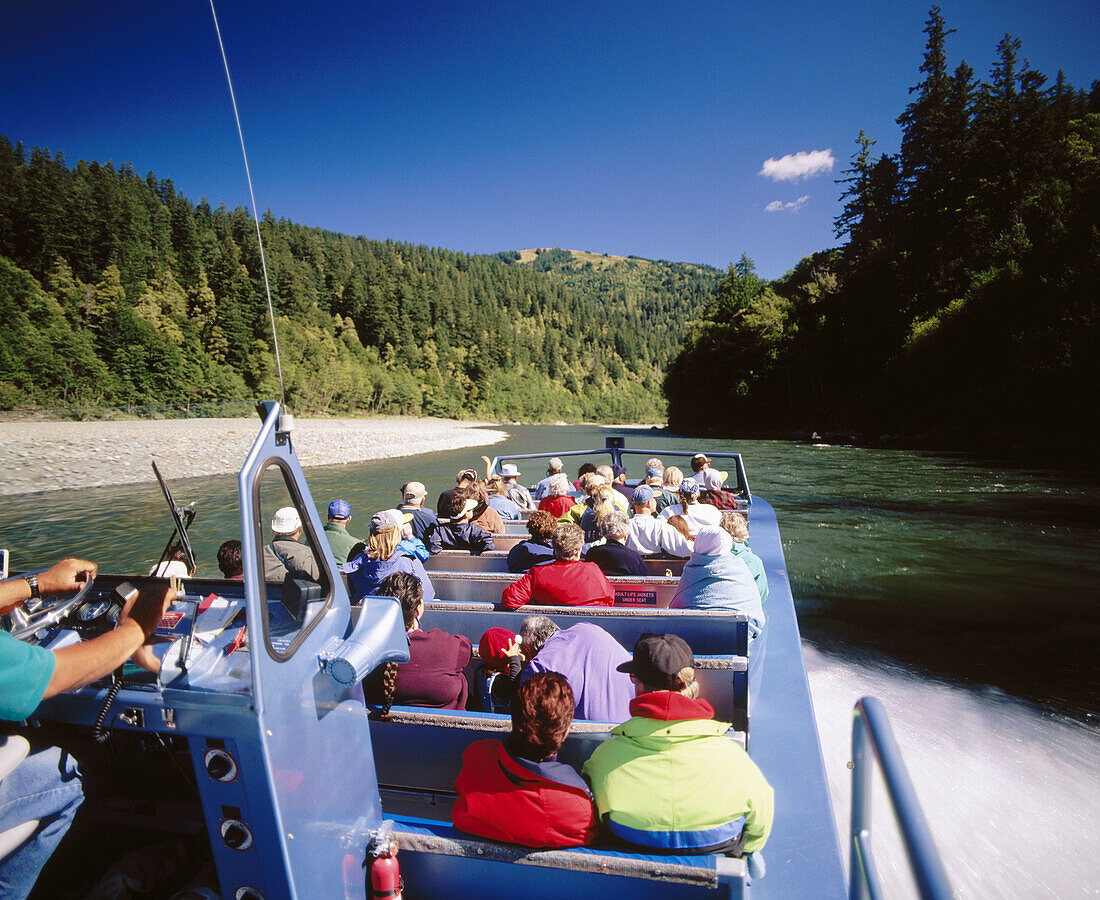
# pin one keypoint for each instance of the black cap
(658, 659)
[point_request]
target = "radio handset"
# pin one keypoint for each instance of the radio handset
(121, 595)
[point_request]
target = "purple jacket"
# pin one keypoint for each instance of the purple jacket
(587, 656)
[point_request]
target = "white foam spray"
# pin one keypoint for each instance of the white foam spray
(1011, 794)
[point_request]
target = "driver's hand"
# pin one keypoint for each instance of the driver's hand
(147, 608)
(67, 575)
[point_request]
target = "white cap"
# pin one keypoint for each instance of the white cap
(711, 540)
(286, 520)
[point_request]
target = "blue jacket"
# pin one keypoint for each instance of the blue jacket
(720, 582)
(366, 574)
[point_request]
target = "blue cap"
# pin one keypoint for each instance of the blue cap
(653, 473)
(339, 509)
(689, 486)
(643, 493)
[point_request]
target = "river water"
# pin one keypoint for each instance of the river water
(962, 593)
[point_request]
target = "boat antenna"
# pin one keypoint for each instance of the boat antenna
(255, 213)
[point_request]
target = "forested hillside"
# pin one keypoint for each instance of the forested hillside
(964, 304)
(117, 289)
(657, 298)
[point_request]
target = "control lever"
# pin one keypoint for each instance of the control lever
(121, 595)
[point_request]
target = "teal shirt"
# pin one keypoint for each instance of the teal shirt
(25, 672)
(340, 542)
(742, 551)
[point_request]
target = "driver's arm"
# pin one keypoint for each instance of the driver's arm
(67, 575)
(81, 664)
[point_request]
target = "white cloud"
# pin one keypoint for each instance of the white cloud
(798, 166)
(792, 206)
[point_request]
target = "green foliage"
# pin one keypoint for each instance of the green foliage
(161, 300)
(965, 301)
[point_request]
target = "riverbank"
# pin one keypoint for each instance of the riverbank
(49, 456)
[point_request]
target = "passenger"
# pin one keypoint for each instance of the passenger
(588, 656)
(557, 500)
(535, 631)
(536, 550)
(367, 570)
(499, 500)
(483, 514)
(700, 463)
(501, 655)
(713, 578)
(465, 478)
(515, 491)
(45, 786)
(585, 469)
(654, 468)
(424, 522)
(620, 482)
(336, 530)
(669, 494)
(566, 582)
(455, 531)
(696, 513)
(655, 778)
(599, 504)
(284, 556)
(433, 675)
(714, 494)
(613, 556)
(516, 791)
(650, 535)
(607, 473)
(737, 527)
(542, 489)
(230, 561)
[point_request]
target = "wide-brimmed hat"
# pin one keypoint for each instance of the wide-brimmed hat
(658, 659)
(509, 470)
(286, 520)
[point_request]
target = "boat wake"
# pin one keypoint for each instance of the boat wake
(1012, 794)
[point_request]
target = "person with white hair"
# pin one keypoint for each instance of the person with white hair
(542, 489)
(284, 555)
(713, 578)
(557, 501)
(612, 556)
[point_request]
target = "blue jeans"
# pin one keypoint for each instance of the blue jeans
(46, 786)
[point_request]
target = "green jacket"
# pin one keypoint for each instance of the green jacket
(670, 778)
(340, 541)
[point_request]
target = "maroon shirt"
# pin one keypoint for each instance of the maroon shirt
(433, 675)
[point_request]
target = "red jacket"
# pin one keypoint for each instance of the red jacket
(561, 583)
(557, 506)
(534, 804)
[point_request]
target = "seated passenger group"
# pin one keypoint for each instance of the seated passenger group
(651, 784)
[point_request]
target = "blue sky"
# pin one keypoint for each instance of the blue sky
(618, 127)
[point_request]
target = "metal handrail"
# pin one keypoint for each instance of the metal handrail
(871, 734)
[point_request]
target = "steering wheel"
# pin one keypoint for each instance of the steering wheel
(45, 612)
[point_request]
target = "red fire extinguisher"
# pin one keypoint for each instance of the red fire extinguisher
(384, 875)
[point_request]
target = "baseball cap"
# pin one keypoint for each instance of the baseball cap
(689, 486)
(653, 473)
(286, 520)
(509, 470)
(339, 509)
(492, 645)
(658, 659)
(643, 493)
(388, 518)
(413, 490)
(467, 473)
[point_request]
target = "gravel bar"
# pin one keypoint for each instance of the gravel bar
(45, 456)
